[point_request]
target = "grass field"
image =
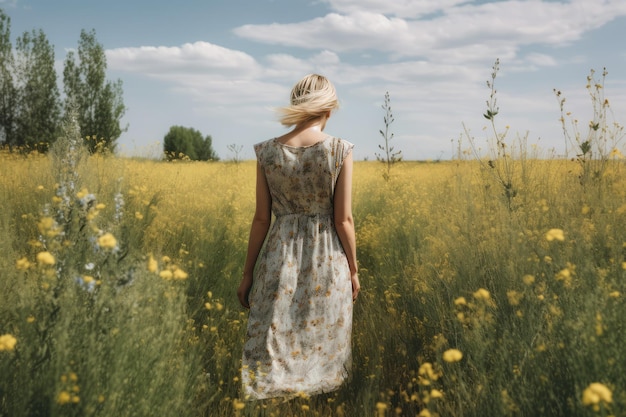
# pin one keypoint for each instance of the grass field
(118, 279)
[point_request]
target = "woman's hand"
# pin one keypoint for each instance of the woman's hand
(356, 286)
(243, 292)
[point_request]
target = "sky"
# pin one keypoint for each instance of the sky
(223, 66)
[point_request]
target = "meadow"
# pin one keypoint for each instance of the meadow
(118, 280)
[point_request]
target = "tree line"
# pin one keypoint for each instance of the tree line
(31, 108)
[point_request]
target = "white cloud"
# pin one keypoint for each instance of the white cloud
(487, 28)
(190, 58)
(336, 32)
(400, 8)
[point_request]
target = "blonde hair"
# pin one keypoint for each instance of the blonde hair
(312, 97)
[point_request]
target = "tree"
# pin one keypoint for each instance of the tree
(100, 102)
(185, 142)
(7, 87)
(38, 102)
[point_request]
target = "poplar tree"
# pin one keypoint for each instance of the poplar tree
(7, 88)
(99, 102)
(38, 101)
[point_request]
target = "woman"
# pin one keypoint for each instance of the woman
(301, 294)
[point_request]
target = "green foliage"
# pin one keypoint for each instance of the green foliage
(100, 102)
(389, 156)
(188, 143)
(540, 318)
(38, 103)
(7, 86)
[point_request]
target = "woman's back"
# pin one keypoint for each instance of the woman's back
(301, 179)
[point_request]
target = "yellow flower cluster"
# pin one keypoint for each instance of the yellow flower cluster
(22, 264)
(45, 259)
(69, 395)
(107, 241)
(170, 272)
(482, 294)
(427, 374)
(555, 234)
(452, 355)
(7, 342)
(48, 227)
(595, 394)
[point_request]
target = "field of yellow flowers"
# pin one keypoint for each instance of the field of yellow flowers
(118, 279)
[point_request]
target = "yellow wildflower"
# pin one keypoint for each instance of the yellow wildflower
(45, 258)
(435, 393)
(152, 264)
(64, 397)
(166, 274)
(30, 319)
(238, 405)
(7, 342)
(107, 241)
(596, 393)
(100, 206)
(482, 294)
(555, 234)
(22, 264)
(452, 355)
(87, 279)
(305, 407)
(138, 215)
(564, 275)
(424, 413)
(514, 297)
(623, 265)
(82, 193)
(460, 301)
(180, 274)
(614, 294)
(426, 370)
(528, 279)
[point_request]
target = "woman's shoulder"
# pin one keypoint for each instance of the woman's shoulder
(258, 147)
(341, 144)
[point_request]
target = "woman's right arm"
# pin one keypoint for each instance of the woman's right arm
(344, 223)
(258, 231)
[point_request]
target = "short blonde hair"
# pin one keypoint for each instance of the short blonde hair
(312, 97)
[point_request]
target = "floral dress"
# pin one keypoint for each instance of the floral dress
(300, 322)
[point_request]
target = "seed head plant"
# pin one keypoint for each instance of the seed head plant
(595, 149)
(504, 159)
(388, 156)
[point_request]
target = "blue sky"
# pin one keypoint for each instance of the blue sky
(221, 66)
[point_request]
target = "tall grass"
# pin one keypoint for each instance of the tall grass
(531, 299)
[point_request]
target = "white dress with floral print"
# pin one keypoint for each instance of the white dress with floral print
(300, 322)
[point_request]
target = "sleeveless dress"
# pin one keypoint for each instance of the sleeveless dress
(300, 321)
